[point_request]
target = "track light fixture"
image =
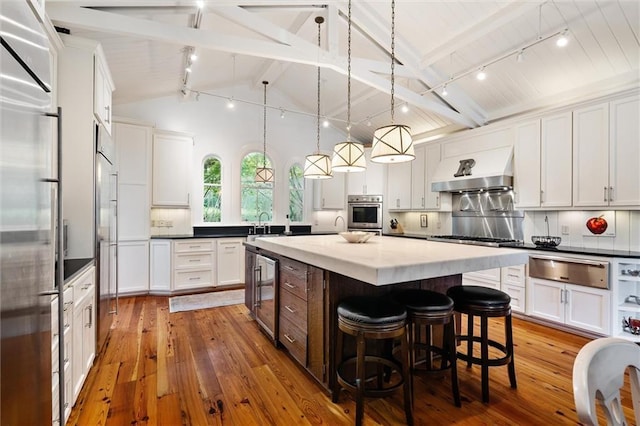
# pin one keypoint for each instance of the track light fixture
(481, 75)
(563, 39)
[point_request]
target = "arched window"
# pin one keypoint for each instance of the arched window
(296, 193)
(256, 197)
(212, 181)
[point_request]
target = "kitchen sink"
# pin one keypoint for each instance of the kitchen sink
(252, 237)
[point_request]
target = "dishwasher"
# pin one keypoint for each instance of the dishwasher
(265, 297)
(570, 291)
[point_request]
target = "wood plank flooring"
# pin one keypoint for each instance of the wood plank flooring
(214, 367)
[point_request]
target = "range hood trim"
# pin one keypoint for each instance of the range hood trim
(493, 169)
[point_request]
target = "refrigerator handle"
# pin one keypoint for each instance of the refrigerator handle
(115, 201)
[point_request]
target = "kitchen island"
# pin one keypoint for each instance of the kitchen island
(315, 273)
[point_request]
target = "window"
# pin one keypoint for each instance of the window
(212, 181)
(256, 197)
(296, 193)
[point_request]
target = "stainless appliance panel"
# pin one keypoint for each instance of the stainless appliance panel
(27, 222)
(364, 211)
(265, 297)
(487, 214)
(570, 270)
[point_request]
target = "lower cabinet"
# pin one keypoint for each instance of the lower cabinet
(133, 267)
(577, 306)
(193, 263)
(512, 282)
(487, 278)
(160, 266)
(230, 260)
(301, 310)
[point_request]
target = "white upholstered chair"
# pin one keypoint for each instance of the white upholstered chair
(598, 373)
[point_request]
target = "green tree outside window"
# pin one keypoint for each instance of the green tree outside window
(256, 197)
(296, 193)
(212, 181)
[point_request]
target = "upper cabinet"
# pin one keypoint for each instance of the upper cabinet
(329, 194)
(399, 186)
(542, 162)
(368, 182)
(433, 200)
(171, 169)
(606, 154)
(103, 88)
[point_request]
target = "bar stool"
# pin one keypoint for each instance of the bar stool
(371, 319)
(485, 302)
(427, 308)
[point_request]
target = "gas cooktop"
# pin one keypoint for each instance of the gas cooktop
(480, 241)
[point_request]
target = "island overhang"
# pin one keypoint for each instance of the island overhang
(390, 260)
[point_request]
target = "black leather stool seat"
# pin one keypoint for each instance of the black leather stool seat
(371, 310)
(423, 300)
(485, 303)
(477, 297)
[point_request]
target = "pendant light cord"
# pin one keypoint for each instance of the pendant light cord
(349, 76)
(393, 56)
(264, 132)
(319, 20)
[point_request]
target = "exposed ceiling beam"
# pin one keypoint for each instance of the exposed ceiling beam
(95, 20)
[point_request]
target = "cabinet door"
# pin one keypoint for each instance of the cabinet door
(526, 168)
(546, 300)
(588, 309)
(102, 93)
(133, 267)
(418, 182)
(624, 153)
(160, 268)
(329, 194)
(399, 186)
(88, 333)
(77, 369)
(591, 156)
(433, 200)
(517, 295)
(555, 163)
(230, 254)
(171, 170)
(369, 182)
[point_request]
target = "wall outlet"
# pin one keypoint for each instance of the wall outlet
(564, 230)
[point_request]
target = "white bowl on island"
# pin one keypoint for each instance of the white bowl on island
(356, 236)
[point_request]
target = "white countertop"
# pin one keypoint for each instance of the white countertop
(387, 260)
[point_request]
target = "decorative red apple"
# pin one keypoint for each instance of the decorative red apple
(597, 225)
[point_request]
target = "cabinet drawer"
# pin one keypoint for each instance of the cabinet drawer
(487, 274)
(82, 289)
(517, 295)
(193, 245)
(514, 275)
(294, 339)
(293, 277)
(193, 278)
(193, 260)
(293, 308)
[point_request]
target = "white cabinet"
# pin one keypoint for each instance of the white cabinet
(103, 88)
(512, 282)
(83, 330)
(133, 267)
(434, 200)
(606, 154)
(172, 164)
(418, 181)
(625, 274)
(399, 186)
(368, 182)
(329, 194)
(160, 266)
(486, 278)
(542, 162)
(230, 259)
(193, 264)
(581, 307)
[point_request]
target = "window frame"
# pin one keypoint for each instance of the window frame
(260, 188)
(205, 184)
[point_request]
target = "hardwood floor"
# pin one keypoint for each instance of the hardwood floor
(214, 367)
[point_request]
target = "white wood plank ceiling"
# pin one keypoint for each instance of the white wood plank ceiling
(145, 40)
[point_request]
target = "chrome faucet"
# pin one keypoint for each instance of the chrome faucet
(260, 220)
(335, 222)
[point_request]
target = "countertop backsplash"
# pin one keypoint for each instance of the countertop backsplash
(170, 222)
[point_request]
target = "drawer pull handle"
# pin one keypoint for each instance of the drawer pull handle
(84, 287)
(194, 278)
(289, 268)
(286, 336)
(194, 260)
(293, 311)
(195, 247)
(289, 284)
(513, 276)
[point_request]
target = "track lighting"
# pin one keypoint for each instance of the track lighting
(444, 90)
(405, 108)
(193, 56)
(481, 74)
(231, 104)
(520, 57)
(563, 39)
(281, 113)
(188, 69)
(325, 123)
(200, 4)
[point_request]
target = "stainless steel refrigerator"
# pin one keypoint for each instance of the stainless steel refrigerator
(28, 215)
(106, 233)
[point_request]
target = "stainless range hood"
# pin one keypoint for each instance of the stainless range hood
(489, 169)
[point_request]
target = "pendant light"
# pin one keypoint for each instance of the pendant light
(392, 143)
(264, 174)
(318, 165)
(348, 156)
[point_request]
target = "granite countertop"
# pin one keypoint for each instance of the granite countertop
(73, 267)
(388, 260)
(559, 250)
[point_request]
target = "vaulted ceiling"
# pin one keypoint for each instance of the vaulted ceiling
(437, 43)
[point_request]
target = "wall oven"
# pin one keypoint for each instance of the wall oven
(364, 212)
